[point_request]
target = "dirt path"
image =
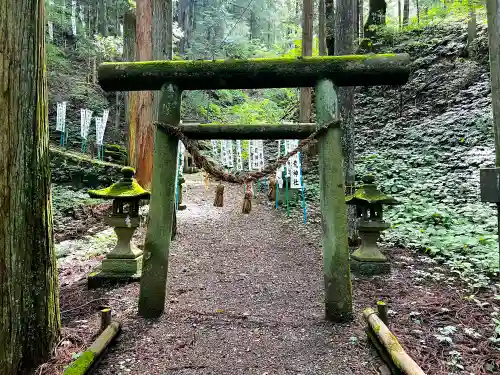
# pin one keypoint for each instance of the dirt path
(245, 297)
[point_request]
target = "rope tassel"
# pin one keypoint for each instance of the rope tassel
(271, 193)
(219, 196)
(247, 201)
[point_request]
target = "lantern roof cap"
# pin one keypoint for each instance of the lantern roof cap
(126, 189)
(368, 193)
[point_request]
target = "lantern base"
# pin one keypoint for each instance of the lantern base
(367, 268)
(182, 207)
(115, 271)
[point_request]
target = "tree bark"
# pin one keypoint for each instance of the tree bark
(129, 26)
(345, 21)
(322, 28)
(376, 17)
(29, 303)
(361, 15)
(330, 26)
(471, 24)
(400, 21)
(417, 5)
(103, 21)
(162, 40)
(307, 34)
(406, 12)
(143, 114)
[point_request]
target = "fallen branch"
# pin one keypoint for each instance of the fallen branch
(400, 358)
(89, 357)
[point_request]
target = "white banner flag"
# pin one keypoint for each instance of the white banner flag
(99, 131)
(214, 148)
(239, 159)
(81, 16)
(223, 153)
(73, 16)
(261, 155)
(294, 166)
(51, 30)
(105, 116)
(85, 119)
(61, 117)
(230, 153)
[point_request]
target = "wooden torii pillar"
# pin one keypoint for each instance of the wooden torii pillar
(324, 73)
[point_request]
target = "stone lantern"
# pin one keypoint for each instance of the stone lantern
(369, 201)
(124, 262)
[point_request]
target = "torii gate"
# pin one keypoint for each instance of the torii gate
(323, 73)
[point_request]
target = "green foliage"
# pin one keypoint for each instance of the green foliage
(57, 60)
(64, 201)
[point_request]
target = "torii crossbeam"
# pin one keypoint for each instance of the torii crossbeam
(323, 73)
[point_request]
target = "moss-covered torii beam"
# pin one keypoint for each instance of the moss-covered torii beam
(248, 131)
(349, 70)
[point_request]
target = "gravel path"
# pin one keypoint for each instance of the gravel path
(245, 297)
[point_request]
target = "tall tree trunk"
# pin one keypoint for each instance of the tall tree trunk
(185, 15)
(376, 17)
(417, 5)
(471, 24)
(307, 34)
(255, 31)
(162, 38)
(345, 21)
(129, 25)
(361, 14)
(406, 12)
(144, 115)
(330, 26)
(400, 20)
(103, 22)
(29, 301)
(322, 28)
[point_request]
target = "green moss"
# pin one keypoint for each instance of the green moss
(348, 70)
(127, 188)
(377, 328)
(368, 193)
(81, 364)
(180, 64)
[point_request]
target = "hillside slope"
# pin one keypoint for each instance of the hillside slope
(425, 143)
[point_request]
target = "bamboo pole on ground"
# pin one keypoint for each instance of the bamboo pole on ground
(400, 358)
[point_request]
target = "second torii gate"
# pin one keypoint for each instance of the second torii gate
(323, 73)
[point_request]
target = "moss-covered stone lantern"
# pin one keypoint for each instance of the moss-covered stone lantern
(369, 201)
(124, 262)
